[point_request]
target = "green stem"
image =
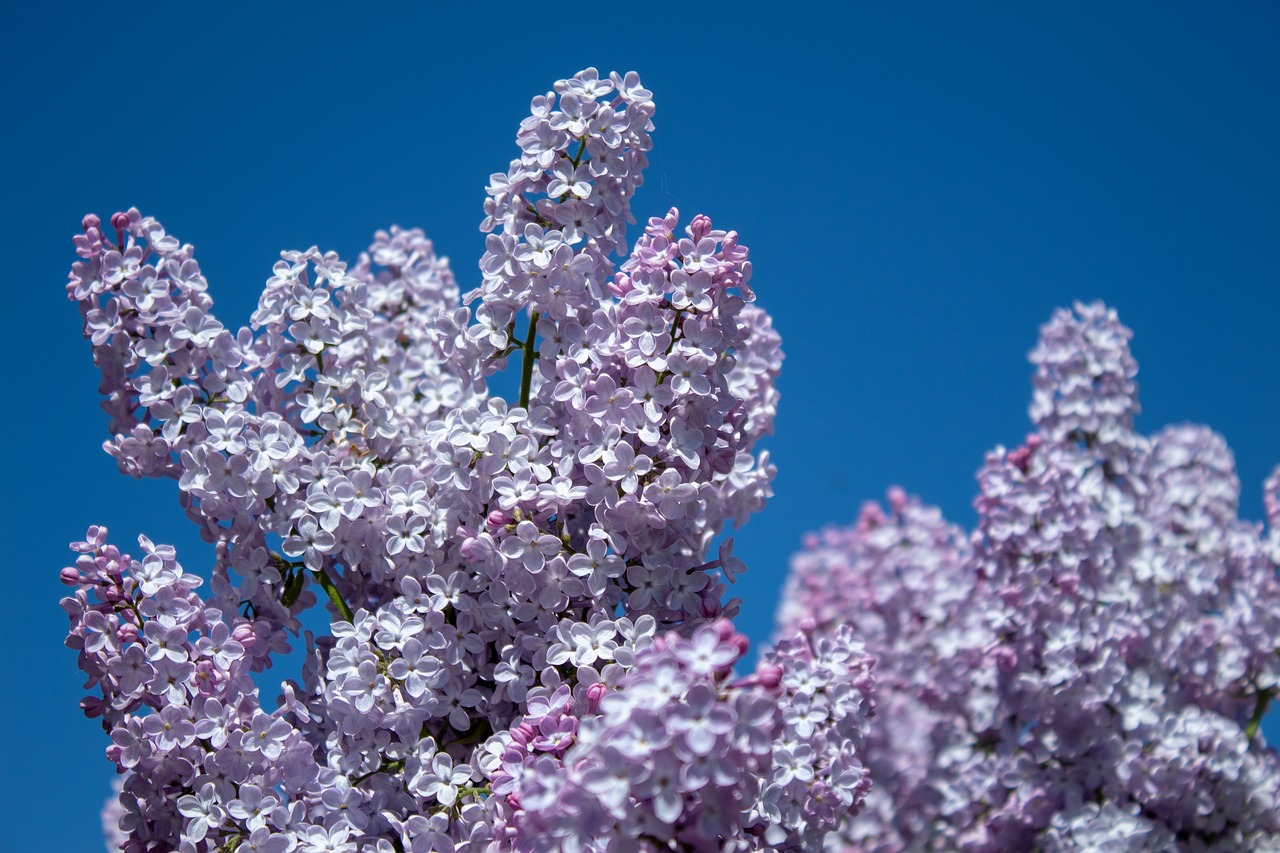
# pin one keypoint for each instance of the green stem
(385, 767)
(676, 330)
(326, 583)
(137, 614)
(1264, 699)
(526, 366)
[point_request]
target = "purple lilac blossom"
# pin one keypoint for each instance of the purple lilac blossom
(1088, 668)
(679, 756)
(505, 578)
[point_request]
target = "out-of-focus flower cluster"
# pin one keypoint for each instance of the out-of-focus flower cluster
(1088, 669)
(530, 644)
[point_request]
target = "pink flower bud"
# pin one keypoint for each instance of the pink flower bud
(92, 707)
(1020, 458)
(244, 635)
(700, 226)
(90, 221)
(769, 676)
(473, 549)
(897, 500)
(523, 733)
(621, 285)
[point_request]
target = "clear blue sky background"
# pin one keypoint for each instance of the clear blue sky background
(920, 185)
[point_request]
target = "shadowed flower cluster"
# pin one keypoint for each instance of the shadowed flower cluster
(1088, 669)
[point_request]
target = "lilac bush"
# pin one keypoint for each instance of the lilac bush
(1087, 669)
(529, 645)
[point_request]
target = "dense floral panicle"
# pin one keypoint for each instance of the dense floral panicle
(493, 568)
(1090, 670)
(583, 156)
(1084, 387)
(186, 726)
(676, 755)
(903, 582)
(922, 581)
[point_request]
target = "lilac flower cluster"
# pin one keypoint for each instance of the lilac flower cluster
(511, 583)
(202, 757)
(1087, 669)
(682, 757)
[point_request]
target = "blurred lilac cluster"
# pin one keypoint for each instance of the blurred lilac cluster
(1088, 669)
(530, 646)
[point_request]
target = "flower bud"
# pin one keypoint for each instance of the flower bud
(769, 676)
(897, 500)
(523, 733)
(244, 635)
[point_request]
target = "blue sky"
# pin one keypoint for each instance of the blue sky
(921, 184)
